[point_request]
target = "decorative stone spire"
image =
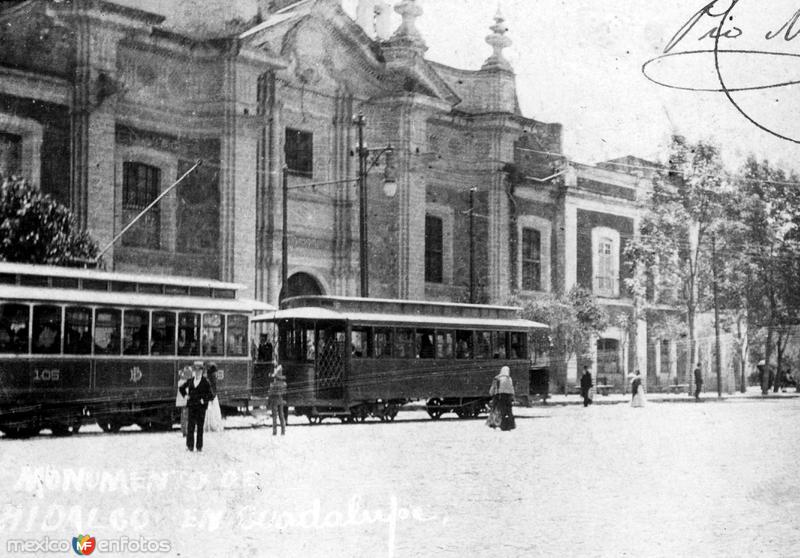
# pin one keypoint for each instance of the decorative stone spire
(498, 41)
(409, 10)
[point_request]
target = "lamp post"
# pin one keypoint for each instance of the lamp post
(389, 188)
(472, 245)
(364, 166)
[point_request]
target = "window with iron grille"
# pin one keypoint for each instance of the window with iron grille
(299, 150)
(433, 249)
(531, 260)
(141, 184)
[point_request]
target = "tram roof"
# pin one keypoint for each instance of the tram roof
(9, 268)
(372, 318)
(400, 306)
(154, 301)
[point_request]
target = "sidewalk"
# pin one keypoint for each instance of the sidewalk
(753, 392)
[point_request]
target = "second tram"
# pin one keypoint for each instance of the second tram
(352, 357)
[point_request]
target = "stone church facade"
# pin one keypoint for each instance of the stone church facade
(120, 99)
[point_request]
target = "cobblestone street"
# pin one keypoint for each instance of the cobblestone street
(670, 479)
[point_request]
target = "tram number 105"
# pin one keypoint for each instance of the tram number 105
(46, 375)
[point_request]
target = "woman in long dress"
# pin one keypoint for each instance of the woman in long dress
(213, 413)
(502, 392)
(637, 391)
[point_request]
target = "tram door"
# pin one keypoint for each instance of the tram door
(330, 361)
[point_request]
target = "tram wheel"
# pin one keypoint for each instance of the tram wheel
(434, 408)
(20, 431)
(109, 425)
(62, 429)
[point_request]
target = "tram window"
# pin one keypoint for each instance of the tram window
(200, 291)
(424, 344)
(287, 343)
(237, 335)
(14, 328)
(150, 289)
(518, 345)
(463, 344)
(383, 343)
(359, 342)
(94, 285)
(483, 344)
(77, 331)
(188, 334)
(123, 287)
(405, 343)
(176, 290)
(213, 326)
(163, 334)
(65, 282)
(46, 330)
(33, 280)
(107, 332)
(444, 344)
(307, 345)
(499, 344)
(8, 279)
(134, 332)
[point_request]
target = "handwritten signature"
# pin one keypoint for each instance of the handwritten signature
(715, 22)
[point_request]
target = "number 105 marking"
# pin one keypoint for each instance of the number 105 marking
(46, 375)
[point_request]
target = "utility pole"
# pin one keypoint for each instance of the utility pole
(716, 313)
(284, 234)
(363, 249)
(472, 245)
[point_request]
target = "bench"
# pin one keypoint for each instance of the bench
(677, 388)
(603, 389)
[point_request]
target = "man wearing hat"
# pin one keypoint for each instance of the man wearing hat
(275, 397)
(198, 392)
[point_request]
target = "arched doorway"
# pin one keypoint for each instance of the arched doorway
(301, 284)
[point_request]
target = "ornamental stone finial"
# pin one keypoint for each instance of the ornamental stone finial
(409, 10)
(498, 41)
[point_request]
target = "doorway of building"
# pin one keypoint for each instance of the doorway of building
(608, 362)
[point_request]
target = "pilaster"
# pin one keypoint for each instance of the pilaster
(93, 120)
(238, 157)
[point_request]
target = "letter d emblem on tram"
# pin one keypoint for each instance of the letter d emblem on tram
(136, 374)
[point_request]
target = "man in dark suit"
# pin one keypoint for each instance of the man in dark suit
(698, 382)
(586, 386)
(198, 392)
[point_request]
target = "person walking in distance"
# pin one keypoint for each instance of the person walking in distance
(502, 390)
(698, 382)
(276, 397)
(198, 393)
(637, 391)
(586, 386)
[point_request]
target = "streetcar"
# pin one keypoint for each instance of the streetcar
(353, 358)
(79, 345)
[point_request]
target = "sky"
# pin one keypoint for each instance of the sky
(580, 63)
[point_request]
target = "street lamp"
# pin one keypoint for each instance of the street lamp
(389, 188)
(364, 166)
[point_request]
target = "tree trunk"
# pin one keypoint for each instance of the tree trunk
(692, 349)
